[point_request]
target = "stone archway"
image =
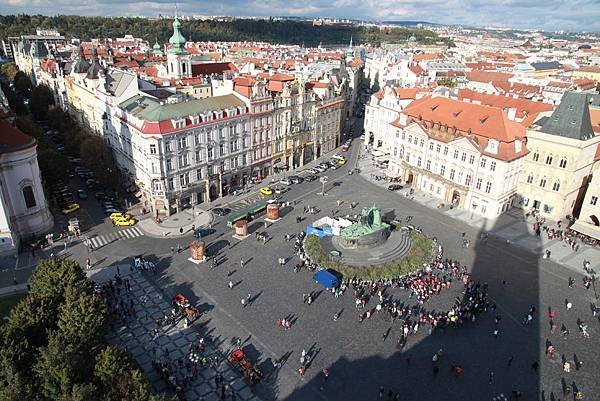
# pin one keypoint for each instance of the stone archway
(371, 138)
(410, 179)
(595, 220)
(455, 198)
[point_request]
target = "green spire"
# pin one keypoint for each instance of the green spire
(177, 40)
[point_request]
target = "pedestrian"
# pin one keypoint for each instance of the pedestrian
(534, 366)
(243, 303)
(491, 378)
(241, 262)
(180, 230)
(230, 284)
(88, 264)
(495, 333)
(249, 298)
(510, 359)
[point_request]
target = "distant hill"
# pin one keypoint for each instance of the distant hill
(267, 30)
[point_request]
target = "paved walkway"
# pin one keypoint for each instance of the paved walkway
(173, 342)
(508, 226)
(176, 225)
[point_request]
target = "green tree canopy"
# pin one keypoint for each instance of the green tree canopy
(22, 83)
(41, 100)
(9, 70)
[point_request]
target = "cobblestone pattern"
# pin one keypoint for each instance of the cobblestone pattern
(137, 337)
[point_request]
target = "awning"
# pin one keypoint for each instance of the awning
(586, 229)
(280, 165)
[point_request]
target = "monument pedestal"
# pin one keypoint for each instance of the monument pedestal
(272, 213)
(197, 252)
(241, 230)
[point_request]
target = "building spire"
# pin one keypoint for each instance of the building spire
(351, 41)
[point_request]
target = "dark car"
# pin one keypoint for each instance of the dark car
(395, 187)
(310, 178)
(295, 179)
(221, 211)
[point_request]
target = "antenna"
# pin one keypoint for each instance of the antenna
(176, 10)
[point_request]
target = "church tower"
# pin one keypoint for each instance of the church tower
(179, 61)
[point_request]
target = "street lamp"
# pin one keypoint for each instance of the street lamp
(473, 209)
(323, 181)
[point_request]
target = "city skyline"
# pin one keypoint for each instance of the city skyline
(582, 15)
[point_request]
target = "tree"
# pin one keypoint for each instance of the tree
(98, 157)
(41, 100)
(447, 82)
(59, 366)
(22, 83)
(9, 70)
(82, 318)
(53, 165)
(52, 277)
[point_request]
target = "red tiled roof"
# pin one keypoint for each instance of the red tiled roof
(11, 138)
(488, 76)
(427, 56)
(526, 109)
(595, 119)
(212, 68)
(476, 122)
(416, 69)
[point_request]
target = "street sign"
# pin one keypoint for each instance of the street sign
(323, 179)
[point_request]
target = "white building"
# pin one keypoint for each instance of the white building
(23, 209)
(465, 154)
(184, 151)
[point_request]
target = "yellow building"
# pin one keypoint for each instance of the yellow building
(562, 151)
(81, 87)
(589, 217)
(589, 72)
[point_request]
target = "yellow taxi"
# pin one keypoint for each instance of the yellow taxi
(123, 222)
(70, 208)
(341, 162)
(266, 191)
(119, 215)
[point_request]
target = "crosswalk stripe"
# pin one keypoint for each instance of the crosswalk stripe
(104, 239)
(113, 236)
(128, 234)
(123, 234)
(137, 231)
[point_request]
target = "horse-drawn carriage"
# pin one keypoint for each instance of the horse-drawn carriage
(187, 310)
(239, 359)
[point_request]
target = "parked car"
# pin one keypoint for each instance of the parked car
(295, 179)
(221, 211)
(312, 171)
(70, 208)
(274, 199)
(310, 178)
(111, 210)
(285, 181)
(265, 191)
(119, 215)
(281, 190)
(123, 221)
(395, 187)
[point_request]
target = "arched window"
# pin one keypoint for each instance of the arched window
(543, 182)
(549, 159)
(556, 186)
(536, 156)
(172, 70)
(28, 196)
(183, 68)
(563, 162)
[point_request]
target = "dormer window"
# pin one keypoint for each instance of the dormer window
(194, 119)
(178, 124)
(492, 146)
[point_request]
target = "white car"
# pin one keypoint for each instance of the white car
(338, 157)
(281, 190)
(285, 181)
(313, 171)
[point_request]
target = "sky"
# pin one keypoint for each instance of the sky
(550, 15)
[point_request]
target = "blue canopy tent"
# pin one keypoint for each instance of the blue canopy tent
(326, 279)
